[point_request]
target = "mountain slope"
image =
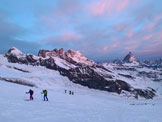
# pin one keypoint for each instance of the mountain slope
(85, 105)
(73, 66)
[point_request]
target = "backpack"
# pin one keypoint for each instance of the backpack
(45, 92)
(32, 92)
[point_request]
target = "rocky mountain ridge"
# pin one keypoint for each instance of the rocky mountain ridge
(80, 70)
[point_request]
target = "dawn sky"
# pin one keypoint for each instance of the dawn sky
(100, 29)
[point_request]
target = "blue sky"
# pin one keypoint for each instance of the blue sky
(100, 29)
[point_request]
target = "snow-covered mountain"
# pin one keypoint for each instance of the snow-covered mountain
(130, 58)
(71, 66)
(70, 56)
(153, 63)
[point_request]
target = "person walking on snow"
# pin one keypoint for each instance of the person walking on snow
(45, 95)
(31, 92)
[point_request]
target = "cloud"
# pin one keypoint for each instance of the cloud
(68, 7)
(108, 7)
(26, 47)
(65, 37)
(59, 17)
(100, 29)
(105, 48)
(9, 31)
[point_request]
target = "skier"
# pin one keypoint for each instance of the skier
(70, 92)
(31, 92)
(45, 95)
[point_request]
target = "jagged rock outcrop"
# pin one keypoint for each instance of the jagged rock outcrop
(74, 57)
(148, 93)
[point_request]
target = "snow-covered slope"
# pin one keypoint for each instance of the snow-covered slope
(84, 106)
(36, 76)
(16, 52)
(57, 73)
(137, 76)
(49, 67)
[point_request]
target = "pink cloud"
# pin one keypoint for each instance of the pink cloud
(69, 36)
(147, 37)
(120, 27)
(122, 5)
(115, 45)
(108, 7)
(153, 49)
(64, 38)
(105, 48)
(130, 34)
(153, 24)
(68, 7)
(99, 8)
(132, 45)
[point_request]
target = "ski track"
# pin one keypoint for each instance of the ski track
(85, 106)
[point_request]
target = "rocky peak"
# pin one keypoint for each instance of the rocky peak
(129, 58)
(14, 51)
(51, 53)
(117, 61)
(70, 56)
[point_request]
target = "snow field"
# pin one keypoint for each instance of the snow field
(84, 106)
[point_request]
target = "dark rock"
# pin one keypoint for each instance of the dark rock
(117, 61)
(148, 93)
(127, 76)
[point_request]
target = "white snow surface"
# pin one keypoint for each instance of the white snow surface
(16, 52)
(133, 63)
(63, 63)
(86, 105)
(138, 81)
(132, 58)
(79, 58)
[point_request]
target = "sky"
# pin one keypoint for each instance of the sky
(100, 29)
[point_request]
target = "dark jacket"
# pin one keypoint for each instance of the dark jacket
(31, 92)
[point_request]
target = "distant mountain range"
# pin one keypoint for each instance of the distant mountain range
(129, 77)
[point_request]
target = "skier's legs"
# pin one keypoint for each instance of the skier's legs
(46, 98)
(30, 97)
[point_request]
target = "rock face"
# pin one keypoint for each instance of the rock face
(80, 70)
(70, 56)
(117, 61)
(130, 58)
(14, 55)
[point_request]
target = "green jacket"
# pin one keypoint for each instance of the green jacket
(45, 92)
